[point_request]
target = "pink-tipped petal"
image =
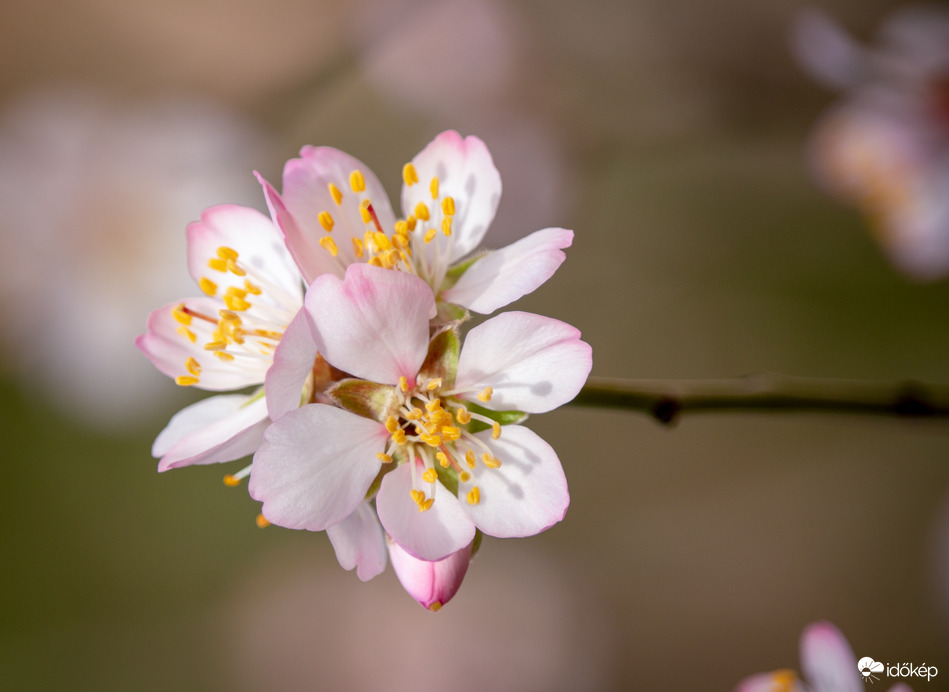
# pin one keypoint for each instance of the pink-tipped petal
(532, 363)
(827, 660)
(432, 584)
(526, 495)
(315, 465)
(466, 173)
(359, 542)
(259, 246)
(168, 346)
(504, 275)
(373, 324)
(311, 259)
(216, 429)
(292, 364)
(430, 535)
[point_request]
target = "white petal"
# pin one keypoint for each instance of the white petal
(432, 535)
(504, 275)
(315, 465)
(827, 660)
(373, 324)
(216, 429)
(292, 364)
(466, 173)
(359, 542)
(526, 495)
(533, 363)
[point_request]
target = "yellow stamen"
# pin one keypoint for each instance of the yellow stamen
(432, 405)
(185, 380)
(403, 384)
(262, 521)
(399, 437)
(382, 241)
(414, 414)
(443, 459)
(193, 366)
(434, 384)
(358, 248)
(326, 221)
(417, 495)
(431, 440)
(251, 287)
(464, 476)
(401, 227)
(375, 261)
(436, 606)
(409, 174)
(392, 424)
(473, 496)
(430, 235)
(448, 206)
(180, 315)
(236, 303)
(411, 222)
(430, 476)
(486, 394)
(427, 505)
(217, 264)
(231, 481)
(433, 187)
(357, 181)
(495, 430)
(421, 211)
(208, 286)
(329, 245)
(234, 269)
(384, 458)
(224, 355)
(215, 346)
(364, 211)
(462, 415)
(336, 194)
(470, 459)
(188, 334)
(229, 316)
(490, 461)
(236, 292)
(226, 253)
(446, 226)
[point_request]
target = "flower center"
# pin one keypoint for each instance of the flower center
(249, 327)
(431, 429)
(395, 250)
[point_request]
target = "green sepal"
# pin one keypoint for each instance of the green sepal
(476, 543)
(502, 417)
(457, 271)
(448, 478)
(365, 398)
(451, 314)
(442, 358)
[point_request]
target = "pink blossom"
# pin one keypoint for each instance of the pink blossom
(432, 427)
(226, 339)
(432, 584)
(333, 212)
(828, 665)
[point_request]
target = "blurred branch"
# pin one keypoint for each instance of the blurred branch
(666, 400)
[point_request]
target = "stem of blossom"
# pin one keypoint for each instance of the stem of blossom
(666, 400)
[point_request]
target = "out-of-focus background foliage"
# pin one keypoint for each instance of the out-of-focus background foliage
(670, 135)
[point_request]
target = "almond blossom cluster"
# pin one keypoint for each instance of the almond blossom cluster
(885, 147)
(372, 416)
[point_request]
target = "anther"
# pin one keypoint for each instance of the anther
(364, 211)
(432, 405)
(409, 174)
(430, 235)
(329, 245)
(358, 248)
(326, 221)
(490, 461)
(434, 384)
(226, 253)
(208, 286)
(433, 187)
(185, 380)
(235, 302)
(446, 225)
(224, 355)
(473, 496)
(464, 476)
(403, 384)
(357, 181)
(448, 206)
(470, 459)
(443, 459)
(435, 606)
(384, 458)
(417, 496)
(430, 476)
(431, 440)
(495, 430)
(399, 437)
(486, 394)
(217, 264)
(450, 433)
(421, 211)
(193, 366)
(392, 424)
(231, 481)
(234, 269)
(336, 194)
(462, 415)
(180, 315)
(252, 288)
(411, 222)
(187, 333)
(215, 346)
(262, 521)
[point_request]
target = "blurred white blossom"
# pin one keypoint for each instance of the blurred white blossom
(96, 193)
(885, 147)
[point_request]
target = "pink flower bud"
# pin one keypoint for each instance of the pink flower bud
(432, 584)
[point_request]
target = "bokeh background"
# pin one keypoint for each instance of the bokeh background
(670, 135)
